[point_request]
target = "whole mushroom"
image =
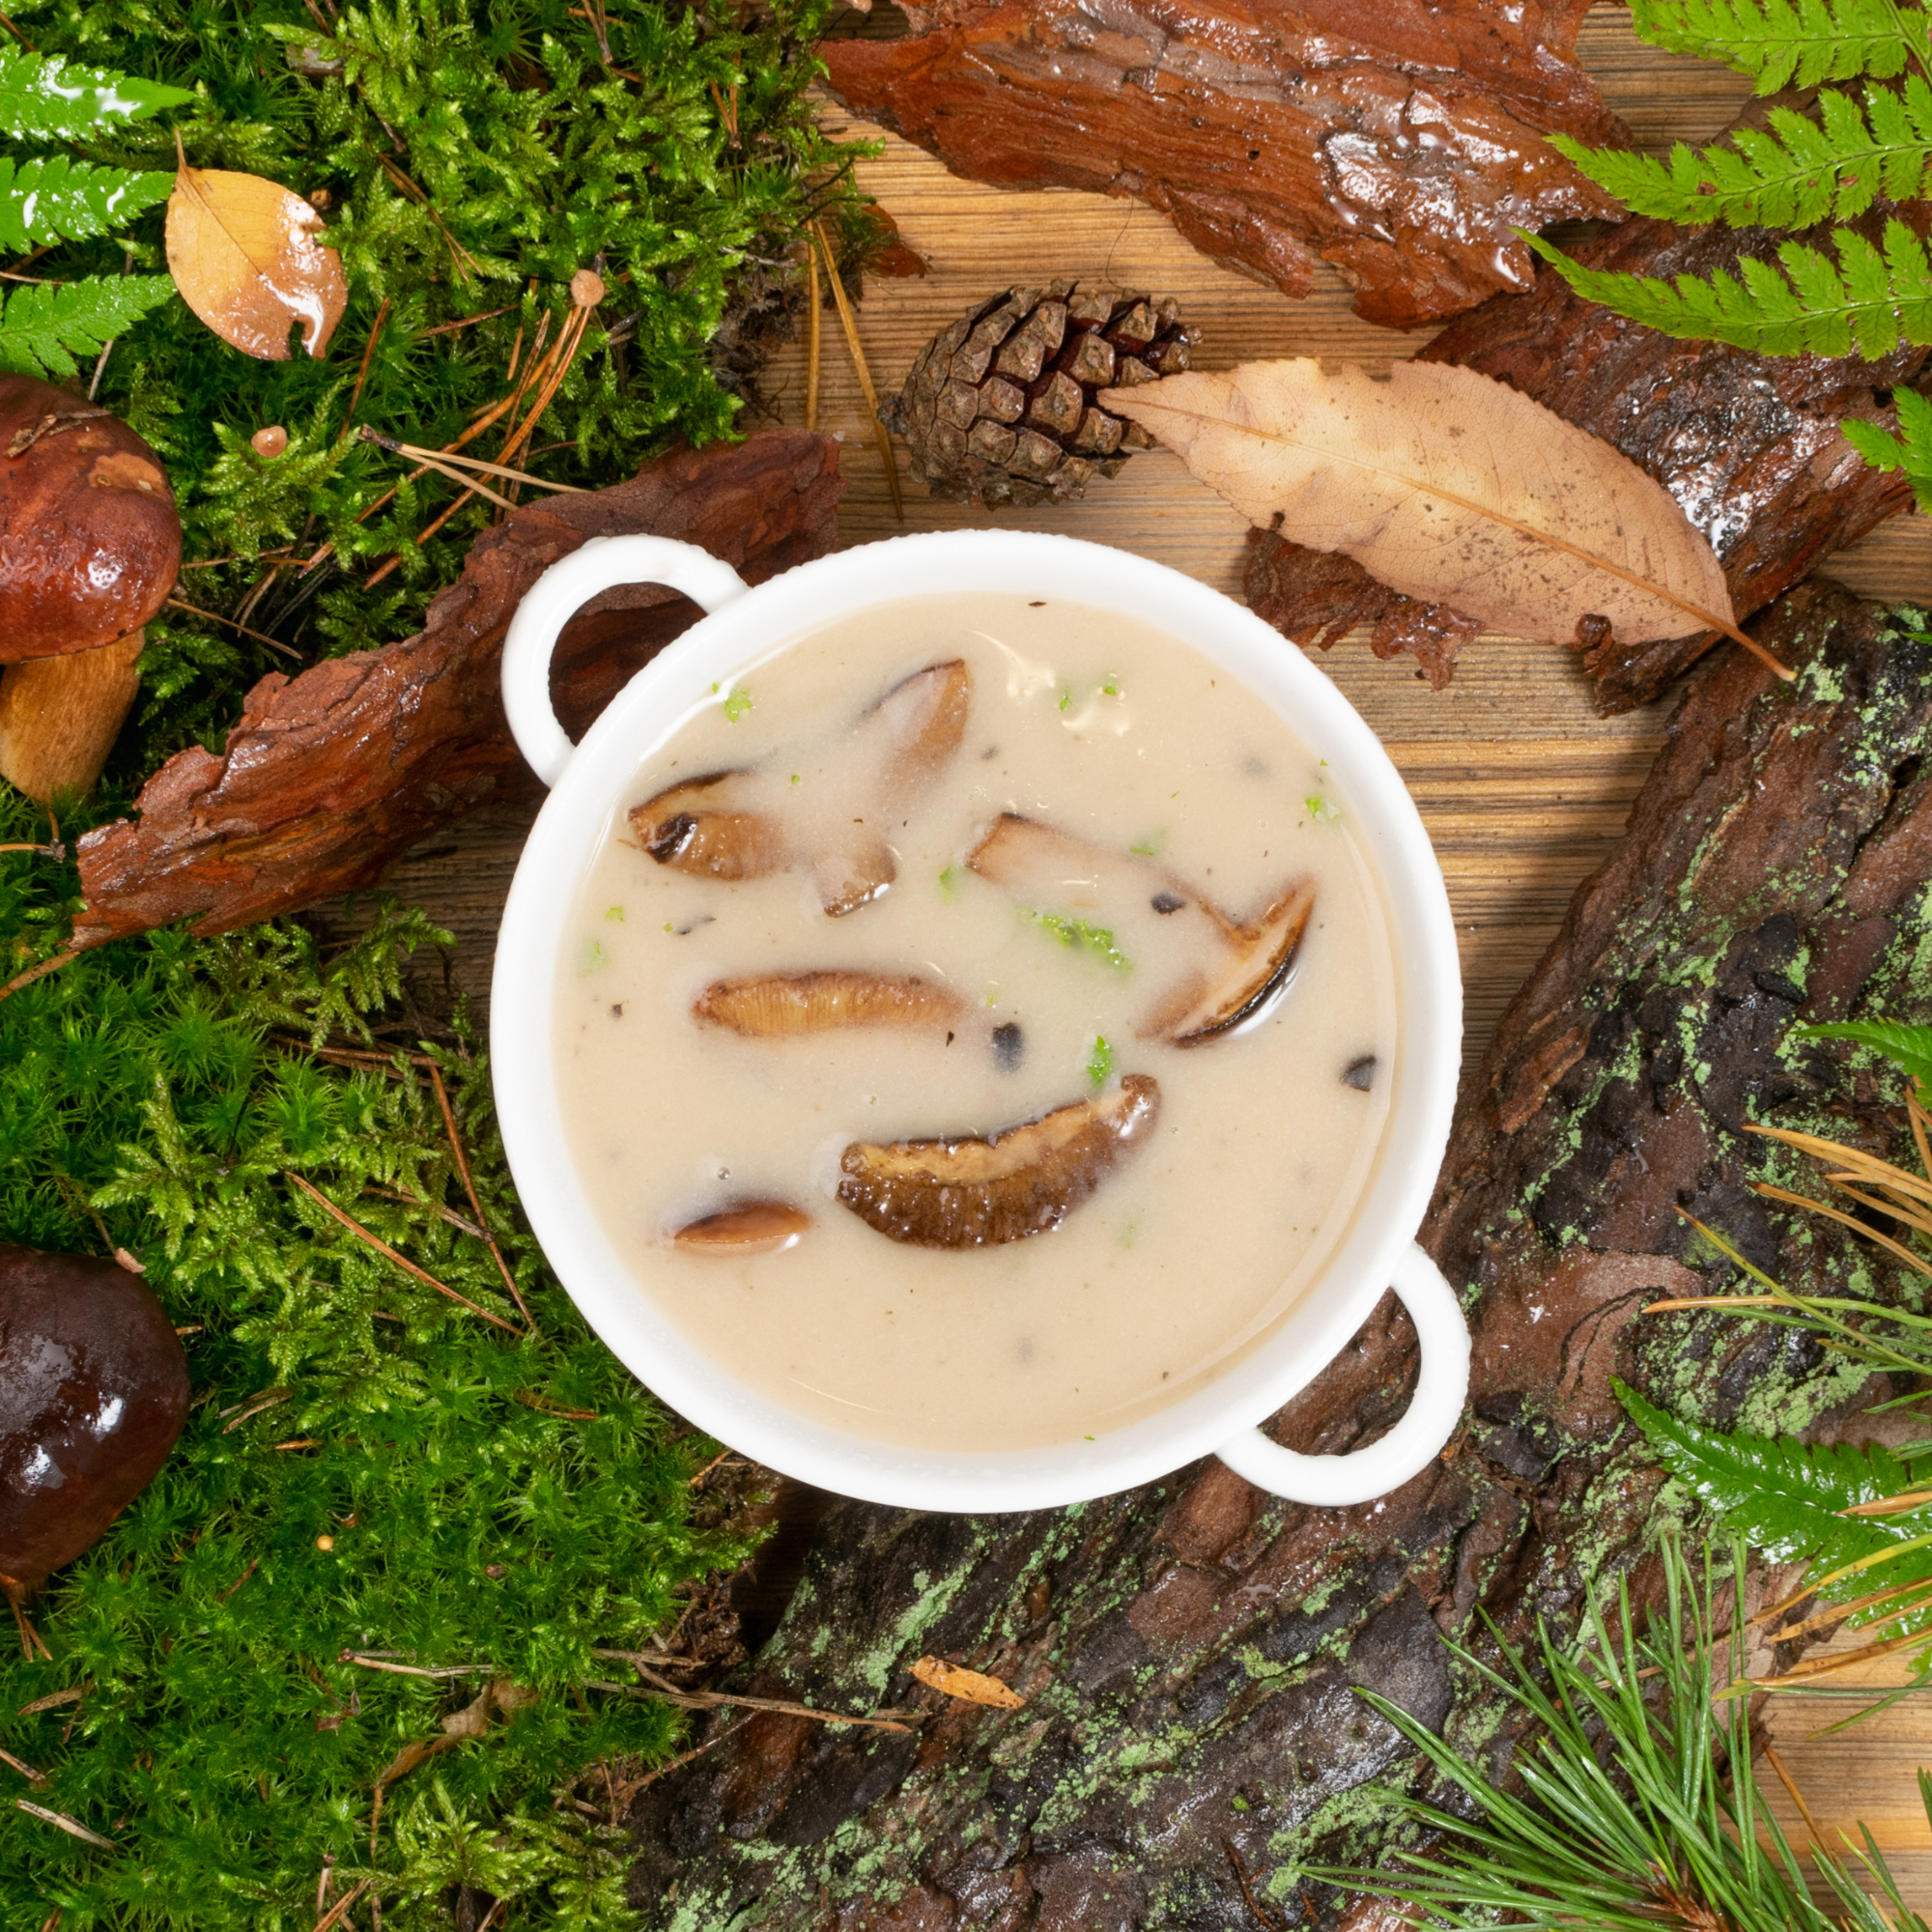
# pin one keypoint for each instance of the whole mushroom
(94, 1391)
(90, 547)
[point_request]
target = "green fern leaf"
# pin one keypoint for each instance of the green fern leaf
(61, 200)
(1788, 42)
(1782, 1497)
(45, 325)
(1868, 301)
(1797, 172)
(50, 99)
(1909, 1046)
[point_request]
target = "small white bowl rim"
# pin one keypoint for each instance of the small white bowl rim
(806, 599)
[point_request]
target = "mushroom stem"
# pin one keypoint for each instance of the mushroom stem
(59, 717)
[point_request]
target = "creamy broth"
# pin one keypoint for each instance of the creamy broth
(1031, 951)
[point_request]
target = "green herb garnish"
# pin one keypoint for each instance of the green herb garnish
(1150, 846)
(1076, 932)
(1100, 1061)
(948, 884)
(1320, 810)
(737, 701)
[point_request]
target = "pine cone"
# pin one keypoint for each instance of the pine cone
(1000, 407)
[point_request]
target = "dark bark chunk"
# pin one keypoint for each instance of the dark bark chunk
(330, 774)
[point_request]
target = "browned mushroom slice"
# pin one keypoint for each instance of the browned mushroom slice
(693, 829)
(1045, 868)
(776, 1004)
(1251, 971)
(925, 716)
(752, 1228)
(971, 1193)
(854, 873)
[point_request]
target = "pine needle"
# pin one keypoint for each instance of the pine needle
(403, 1261)
(849, 324)
(813, 335)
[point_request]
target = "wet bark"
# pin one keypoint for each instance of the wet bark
(1191, 1650)
(330, 774)
(1399, 142)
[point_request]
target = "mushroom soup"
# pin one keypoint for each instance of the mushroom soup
(974, 1029)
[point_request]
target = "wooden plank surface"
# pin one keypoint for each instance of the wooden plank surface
(1523, 789)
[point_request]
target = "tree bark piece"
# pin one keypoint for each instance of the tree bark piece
(1749, 445)
(330, 774)
(1399, 142)
(1190, 1651)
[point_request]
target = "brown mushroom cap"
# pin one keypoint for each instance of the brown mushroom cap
(94, 1391)
(89, 544)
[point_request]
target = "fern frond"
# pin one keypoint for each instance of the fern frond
(1781, 1496)
(56, 199)
(1909, 1046)
(45, 325)
(1793, 175)
(1868, 301)
(1789, 43)
(51, 99)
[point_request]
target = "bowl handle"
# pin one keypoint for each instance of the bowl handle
(600, 564)
(1441, 1383)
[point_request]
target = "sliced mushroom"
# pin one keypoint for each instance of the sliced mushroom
(776, 1004)
(693, 828)
(1253, 972)
(855, 874)
(1045, 868)
(925, 716)
(750, 1228)
(969, 1192)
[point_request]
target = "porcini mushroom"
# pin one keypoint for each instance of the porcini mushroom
(969, 1192)
(94, 1390)
(90, 546)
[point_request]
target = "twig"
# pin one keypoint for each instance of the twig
(368, 355)
(531, 1399)
(1267, 1920)
(436, 460)
(21, 980)
(469, 1189)
(72, 1827)
(678, 1763)
(467, 322)
(714, 1700)
(849, 324)
(722, 1456)
(466, 262)
(435, 1207)
(382, 1247)
(334, 1915)
(1797, 1797)
(216, 617)
(455, 476)
(25, 1770)
(28, 845)
(811, 337)
(253, 1565)
(256, 1405)
(108, 347)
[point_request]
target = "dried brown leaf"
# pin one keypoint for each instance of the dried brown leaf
(1449, 487)
(972, 1687)
(243, 254)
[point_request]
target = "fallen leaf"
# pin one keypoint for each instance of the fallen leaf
(1449, 487)
(972, 1687)
(472, 1721)
(243, 254)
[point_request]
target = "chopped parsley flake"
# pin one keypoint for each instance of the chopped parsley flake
(1100, 1061)
(616, 911)
(1112, 686)
(1066, 695)
(593, 958)
(794, 778)
(1073, 932)
(737, 701)
(1150, 846)
(948, 884)
(1320, 810)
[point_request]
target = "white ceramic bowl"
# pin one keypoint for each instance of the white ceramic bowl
(590, 784)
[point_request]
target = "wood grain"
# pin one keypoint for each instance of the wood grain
(1523, 789)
